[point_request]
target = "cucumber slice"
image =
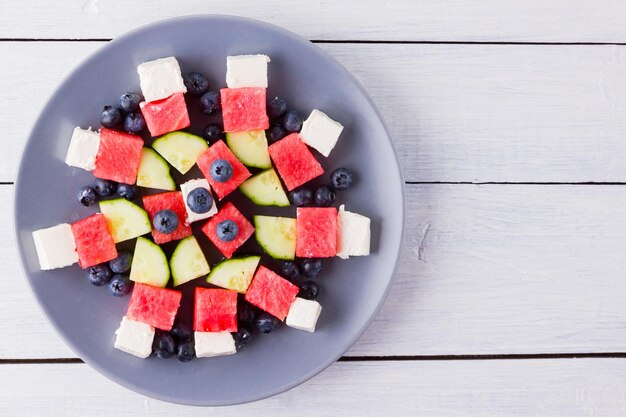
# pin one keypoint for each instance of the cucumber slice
(126, 220)
(250, 148)
(154, 172)
(234, 274)
(276, 235)
(188, 261)
(180, 149)
(265, 189)
(149, 264)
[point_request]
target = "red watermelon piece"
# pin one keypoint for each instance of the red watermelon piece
(154, 306)
(244, 109)
(215, 310)
(294, 161)
(172, 200)
(219, 150)
(166, 115)
(94, 242)
(316, 232)
(118, 156)
(271, 292)
(228, 212)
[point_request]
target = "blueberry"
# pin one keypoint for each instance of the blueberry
(122, 263)
(134, 122)
(165, 221)
(129, 102)
(311, 268)
(199, 200)
(221, 170)
(242, 337)
(196, 84)
(341, 179)
(227, 230)
(104, 188)
(111, 117)
(266, 323)
(301, 197)
(276, 132)
(181, 332)
(309, 290)
(210, 103)
(99, 275)
(292, 121)
(164, 345)
(324, 196)
(212, 132)
(120, 285)
(290, 270)
(127, 191)
(185, 351)
(276, 108)
(87, 196)
(246, 313)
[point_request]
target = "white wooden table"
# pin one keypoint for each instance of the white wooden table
(510, 121)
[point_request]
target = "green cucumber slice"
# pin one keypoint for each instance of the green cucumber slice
(265, 189)
(276, 235)
(250, 148)
(234, 274)
(126, 220)
(188, 261)
(154, 172)
(149, 264)
(180, 149)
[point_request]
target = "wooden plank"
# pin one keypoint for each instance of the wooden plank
(457, 113)
(486, 270)
(539, 388)
(444, 20)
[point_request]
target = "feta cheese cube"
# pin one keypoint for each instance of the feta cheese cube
(353, 234)
(210, 344)
(321, 132)
(188, 187)
(134, 337)
(303, 314)
(246, 71)
(55, 246)
(160, 79)
(83, 149)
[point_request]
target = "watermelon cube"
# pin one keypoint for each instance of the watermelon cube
(215, 310)
(294, 161)
(154, 306)
(94, 242)
(172, 200)
(245, 229)
(244, 109)
(166, 115)
(316, 232)
(118, 156)
(271, 293)
(219, 150)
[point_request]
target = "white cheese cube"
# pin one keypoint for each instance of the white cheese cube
(321, 132)
(246, 71)
(188, 187)
(160, 79)
(134, 337)
(83, 149)
(303, 314)
(210, 344)
(55, 246)
(353, 234)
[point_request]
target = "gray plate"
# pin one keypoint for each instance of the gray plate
(352, 291)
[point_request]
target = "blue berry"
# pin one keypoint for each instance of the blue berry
(127, 191)
(242, 337)
(245, 313)
(210, 103)
(165, 221)
(134, 122)
(276, 132)
(341, 179)
(290, 270)
(111, 117)
(301, 197)
(221, 170)
(266, 323)
(292, 121)
(164, 345)
(120, 285)
(276, 108)
(129, 102)
(212, 132)
(309, 290)
(324, 196)
(181, 332)
(196, 84)
(104, 188)
(122, 263)
(87, 196)
(185, 351)
(227, 230)
(310, 267)
(99, 275)
(199, 200)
